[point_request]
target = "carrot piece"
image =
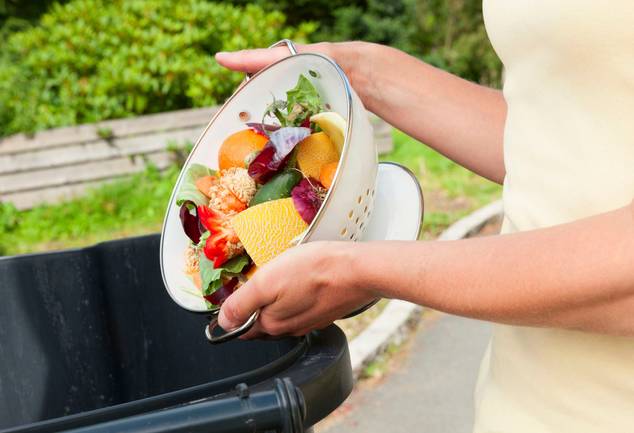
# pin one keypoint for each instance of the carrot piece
(204, 184)
(198, 282)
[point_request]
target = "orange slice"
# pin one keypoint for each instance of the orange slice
(315, 151)
(268, 229)
(327, 174)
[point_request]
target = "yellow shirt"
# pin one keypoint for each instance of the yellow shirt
(569, 153)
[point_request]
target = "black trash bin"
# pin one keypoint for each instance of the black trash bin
(90, 341)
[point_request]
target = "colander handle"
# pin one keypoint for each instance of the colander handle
(362, 309)
(289, 44)
(230, 335)
(244, 328)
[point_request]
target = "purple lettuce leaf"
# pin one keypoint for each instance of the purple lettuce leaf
(190, 222)
(222, 293)
(281, 143)
(263, 128)
(307, 199)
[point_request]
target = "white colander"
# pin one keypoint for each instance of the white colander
(348, 205)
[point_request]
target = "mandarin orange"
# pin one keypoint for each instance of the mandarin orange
(237, 147)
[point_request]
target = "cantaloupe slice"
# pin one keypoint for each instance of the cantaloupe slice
(268, 229)
(314, 152)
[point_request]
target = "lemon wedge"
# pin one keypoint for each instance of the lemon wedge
(333, 125)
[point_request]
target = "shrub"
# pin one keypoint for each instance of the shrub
(447, 33)
(451, 35)
(90, 60)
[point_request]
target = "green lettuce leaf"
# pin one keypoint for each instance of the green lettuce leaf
(236, 264)
(188, 190)
(302, 101)
(211, 277)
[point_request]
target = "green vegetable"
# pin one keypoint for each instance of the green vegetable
(188, 190)
(211, 277)
(302, 101)
(279, 186)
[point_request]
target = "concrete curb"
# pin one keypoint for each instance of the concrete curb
(399, 317)
(472, 223)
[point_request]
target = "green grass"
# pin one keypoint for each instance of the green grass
(450, 191)
(122, 208)
(136, 205)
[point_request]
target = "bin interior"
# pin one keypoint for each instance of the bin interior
(91, 328)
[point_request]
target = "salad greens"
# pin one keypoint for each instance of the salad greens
(188, 190)
(212, 277)
(217, 259)
(302, 101)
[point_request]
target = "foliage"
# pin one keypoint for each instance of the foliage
(133, 57)
(299, 11)
(378, 21)
(450, 34)
(447, 33)
(18, 15)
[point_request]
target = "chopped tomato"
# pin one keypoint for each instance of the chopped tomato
(222, 243)
(216, 249)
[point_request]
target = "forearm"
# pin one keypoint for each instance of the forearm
(462, 120)
(575, 276)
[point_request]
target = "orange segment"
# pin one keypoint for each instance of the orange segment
(327, 174)
(315, 151)
(237, 147)
(268, 229)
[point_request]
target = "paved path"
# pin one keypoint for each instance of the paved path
(431, 388)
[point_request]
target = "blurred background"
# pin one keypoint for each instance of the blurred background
(72, 176)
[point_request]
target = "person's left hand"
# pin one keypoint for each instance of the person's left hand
(305, 288)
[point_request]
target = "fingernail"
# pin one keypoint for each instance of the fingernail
(223, 321)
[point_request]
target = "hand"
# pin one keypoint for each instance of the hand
(353, 57)
(306, 288)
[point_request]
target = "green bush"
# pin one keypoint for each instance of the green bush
(446, 33)
(90, 60)
(451, 35)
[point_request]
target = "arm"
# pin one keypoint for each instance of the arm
(462, 120)
(575, 276)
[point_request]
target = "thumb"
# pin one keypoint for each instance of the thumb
(238, 307)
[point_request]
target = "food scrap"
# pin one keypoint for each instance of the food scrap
(272, 180)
